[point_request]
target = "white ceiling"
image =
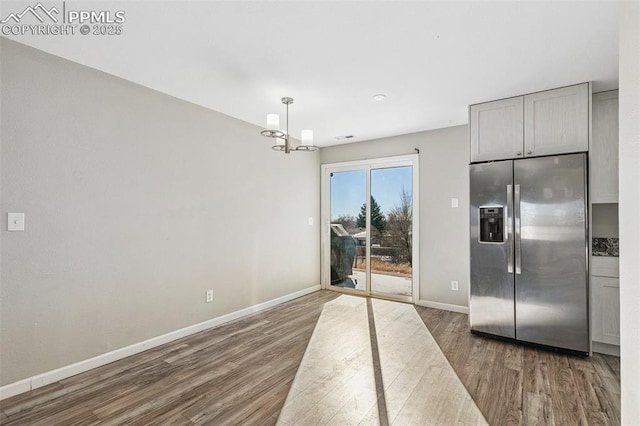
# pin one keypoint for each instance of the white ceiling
(431, 59)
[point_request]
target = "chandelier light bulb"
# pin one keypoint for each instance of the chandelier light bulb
(306, 137)
(273, 122)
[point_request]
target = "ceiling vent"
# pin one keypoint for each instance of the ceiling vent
(341, 138)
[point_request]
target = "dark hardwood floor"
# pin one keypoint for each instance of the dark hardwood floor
(241, 372)
(522, 385)
(238, 373)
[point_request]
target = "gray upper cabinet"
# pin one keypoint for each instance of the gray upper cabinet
(544, 123)
(604, 148)
(557, 121)
(497, 129)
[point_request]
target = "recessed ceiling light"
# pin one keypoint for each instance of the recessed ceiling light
(379, 97)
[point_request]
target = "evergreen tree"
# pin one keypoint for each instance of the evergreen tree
(378, 221)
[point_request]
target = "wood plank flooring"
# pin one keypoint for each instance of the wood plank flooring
(242, 372)
(238, 373)
(514, 384)
(382, 367)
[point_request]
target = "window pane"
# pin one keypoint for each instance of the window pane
(391, 230)
(348, 229)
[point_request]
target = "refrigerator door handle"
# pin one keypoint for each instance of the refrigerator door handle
(516, 218)
(509, 229)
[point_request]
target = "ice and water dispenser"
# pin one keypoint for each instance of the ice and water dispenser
(491, 224)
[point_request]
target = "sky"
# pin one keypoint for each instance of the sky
(348, 189)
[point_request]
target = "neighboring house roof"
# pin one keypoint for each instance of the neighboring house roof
(339, 230)
(362, 235)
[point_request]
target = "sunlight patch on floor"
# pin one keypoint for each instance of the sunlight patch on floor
(336, 381)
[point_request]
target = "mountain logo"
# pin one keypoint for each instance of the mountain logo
(39, 11)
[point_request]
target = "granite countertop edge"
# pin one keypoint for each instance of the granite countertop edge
(605, 247)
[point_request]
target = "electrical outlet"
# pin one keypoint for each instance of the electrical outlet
(454, 285)
(209, 296)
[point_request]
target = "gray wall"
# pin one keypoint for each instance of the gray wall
(444, 232)
(136, 203)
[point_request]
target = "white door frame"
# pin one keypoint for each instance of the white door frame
(325, 219)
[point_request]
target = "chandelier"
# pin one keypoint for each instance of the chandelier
(282, 137)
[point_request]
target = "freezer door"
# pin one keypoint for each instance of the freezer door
(551, 255)
(491, 301)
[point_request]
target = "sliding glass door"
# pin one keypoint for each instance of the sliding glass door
(347, 234)
(369, 228)
(391, 241)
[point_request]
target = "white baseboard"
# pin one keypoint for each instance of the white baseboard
(604, 348)
(61, 373)
(443, 306)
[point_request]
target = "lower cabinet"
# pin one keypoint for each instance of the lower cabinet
(606, 310)
(605, 301)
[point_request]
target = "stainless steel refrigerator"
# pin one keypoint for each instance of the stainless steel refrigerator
(529, 264)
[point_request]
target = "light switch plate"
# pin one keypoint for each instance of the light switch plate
(15, 221)
(454, 203)
(310, 220)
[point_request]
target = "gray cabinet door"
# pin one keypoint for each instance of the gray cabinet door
(605, 300)
(496, 130)
(606, 310)
(557, 121)
(604, 148)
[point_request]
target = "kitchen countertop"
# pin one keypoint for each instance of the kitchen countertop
(605, 247)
